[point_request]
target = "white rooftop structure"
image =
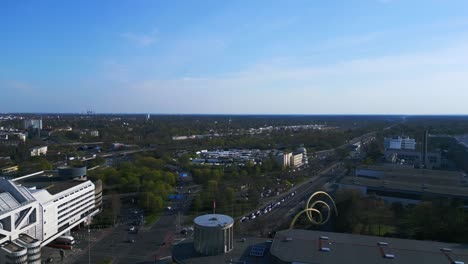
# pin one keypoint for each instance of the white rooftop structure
(214, 220)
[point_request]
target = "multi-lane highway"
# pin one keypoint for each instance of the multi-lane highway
(284, 212)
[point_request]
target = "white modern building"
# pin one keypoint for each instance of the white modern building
(296, 160)
(305, 159)
(405, 143)
(38, 208)
(38, 151)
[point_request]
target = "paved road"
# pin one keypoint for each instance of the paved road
(286, 210)
(117, 247)
(148, 242)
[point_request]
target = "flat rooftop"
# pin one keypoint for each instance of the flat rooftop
(398, 171)
(304, 246)
(48, 181)
(185, 253)
(392, 178)
(214, 220)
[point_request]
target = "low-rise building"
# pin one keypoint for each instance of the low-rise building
(397, 183)
(94, 133)
(416, 158)
(38, 151)
(305, 246)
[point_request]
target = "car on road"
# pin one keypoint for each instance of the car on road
(132, 228)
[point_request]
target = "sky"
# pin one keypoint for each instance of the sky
(234, 57)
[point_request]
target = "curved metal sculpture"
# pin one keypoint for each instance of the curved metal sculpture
(310, 209)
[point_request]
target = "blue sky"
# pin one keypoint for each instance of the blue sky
(239, 57)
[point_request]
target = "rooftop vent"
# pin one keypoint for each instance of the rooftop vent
(325, 249)
(384, 250)
(324, 245)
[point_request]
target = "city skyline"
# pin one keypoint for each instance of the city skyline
(211, 57)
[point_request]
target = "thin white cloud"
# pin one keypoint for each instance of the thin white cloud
(18, 85)
(430, 82)
(142, 40)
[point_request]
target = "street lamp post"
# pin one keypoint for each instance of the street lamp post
(89, 245)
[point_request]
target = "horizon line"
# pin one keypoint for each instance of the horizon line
(223, 114)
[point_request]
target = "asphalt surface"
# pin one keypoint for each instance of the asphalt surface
(149, 243)
(286, 211)
(144, 249)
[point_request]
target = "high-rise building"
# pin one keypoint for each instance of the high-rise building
(425, 150)
(296, 160)
(33, 124)
(284, 159)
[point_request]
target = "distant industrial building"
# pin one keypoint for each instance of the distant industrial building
(403, 151)
(304, 246)
(39, 151)
(400, 143)
(94, 133)
(398, 183)
(38, 208)
(433, 160)
(32, 124)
